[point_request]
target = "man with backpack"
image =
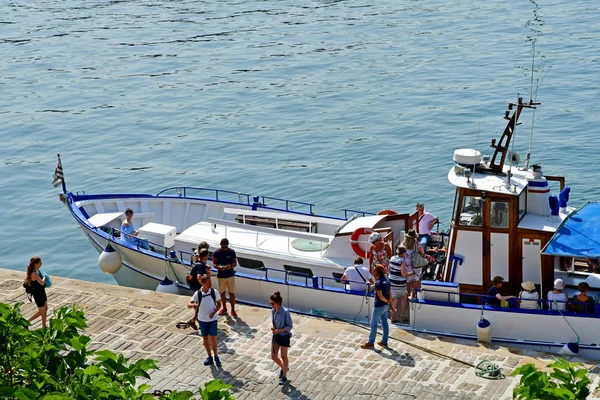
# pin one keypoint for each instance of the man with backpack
(199, 268)
(207, 306)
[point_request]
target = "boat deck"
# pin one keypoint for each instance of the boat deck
(252, 239)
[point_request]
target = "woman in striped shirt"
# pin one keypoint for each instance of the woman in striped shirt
(398, 281)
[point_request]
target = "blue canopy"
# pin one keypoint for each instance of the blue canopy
(578, 235)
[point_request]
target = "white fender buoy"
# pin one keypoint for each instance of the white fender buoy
(109, 260)
(569, 349)
(167, 286)
(484, 331)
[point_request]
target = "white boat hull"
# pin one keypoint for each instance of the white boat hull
(251, 288)
(537, 330)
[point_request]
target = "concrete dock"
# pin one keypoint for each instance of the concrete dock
(326, 361)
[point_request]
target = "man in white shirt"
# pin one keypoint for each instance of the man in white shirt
(358, 275)
(206, 301)
(426, 223)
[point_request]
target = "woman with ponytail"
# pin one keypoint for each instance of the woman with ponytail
(38, 283)
(282, 332)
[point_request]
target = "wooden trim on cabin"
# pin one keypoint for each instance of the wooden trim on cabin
(555, 178)
(395, 217)
(413, 221)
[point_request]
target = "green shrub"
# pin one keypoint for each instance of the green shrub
(565, 382)
(55, 364)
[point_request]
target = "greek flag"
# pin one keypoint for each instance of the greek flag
(58, 177)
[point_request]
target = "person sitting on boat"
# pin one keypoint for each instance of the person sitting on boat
(224, 260)
(593, 265)
(398, 282)
(127, 228)
(494, 296)
(357, 275)
(529, 297)
(426, 223)
(413, 275)
(557, 299)
(582, 303)
(379, 253)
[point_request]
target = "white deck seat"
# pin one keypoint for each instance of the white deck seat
(102, 219)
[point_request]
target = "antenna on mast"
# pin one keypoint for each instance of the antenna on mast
(531, 102)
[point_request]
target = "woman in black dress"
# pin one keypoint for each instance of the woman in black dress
(39, 290)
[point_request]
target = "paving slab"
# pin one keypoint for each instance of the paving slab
(326, 361)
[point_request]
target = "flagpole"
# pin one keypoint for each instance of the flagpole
(64, 185)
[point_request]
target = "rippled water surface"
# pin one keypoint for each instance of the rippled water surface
(345, 104)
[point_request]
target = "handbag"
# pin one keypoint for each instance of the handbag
(417, 259)
(48, 280)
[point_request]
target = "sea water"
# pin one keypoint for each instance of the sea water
(344, 104)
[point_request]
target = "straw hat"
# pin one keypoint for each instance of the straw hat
(559, 284)
(529, 286)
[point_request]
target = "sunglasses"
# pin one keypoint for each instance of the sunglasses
(272, 303)
(128, 213)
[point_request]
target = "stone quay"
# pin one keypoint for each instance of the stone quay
(326, 361)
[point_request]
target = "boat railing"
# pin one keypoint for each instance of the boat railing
(350, 212)
(217, 194)
(287, 205)
(543, 306)
(273, 203)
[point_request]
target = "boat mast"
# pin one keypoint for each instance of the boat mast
(497, 162)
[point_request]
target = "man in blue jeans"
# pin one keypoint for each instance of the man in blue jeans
(382, 304)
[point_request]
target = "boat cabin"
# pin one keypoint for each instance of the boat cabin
(503, 216)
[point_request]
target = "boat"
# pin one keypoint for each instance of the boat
(504, 223)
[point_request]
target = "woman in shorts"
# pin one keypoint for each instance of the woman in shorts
(38, 284)
(282, 333)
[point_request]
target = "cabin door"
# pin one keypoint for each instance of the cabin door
(496, 237)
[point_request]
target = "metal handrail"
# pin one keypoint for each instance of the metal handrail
(249, 200)
(362, 213)
(288, 203)
(182, 191)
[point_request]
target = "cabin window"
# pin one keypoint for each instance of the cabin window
(299, 271)
(470, 211)
(499, 214)
(250, 263)
(522, 204)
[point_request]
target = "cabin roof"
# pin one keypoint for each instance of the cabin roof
(494, 183)
(362, 222)
(543, 223)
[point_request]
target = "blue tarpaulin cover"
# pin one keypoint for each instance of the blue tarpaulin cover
(578, 235)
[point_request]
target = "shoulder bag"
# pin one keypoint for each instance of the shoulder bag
(417, 259)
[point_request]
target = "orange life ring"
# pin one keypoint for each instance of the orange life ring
(387, 212)
(354, 241)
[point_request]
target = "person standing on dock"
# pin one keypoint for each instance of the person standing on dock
(37, 282)
(206, 303)
(282, 327)
(197, 271)
(382, 304)
(224, 261)
(426, 223)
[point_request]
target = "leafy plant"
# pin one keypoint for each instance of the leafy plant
(565, 382)
(216, 390)
(55, 364)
